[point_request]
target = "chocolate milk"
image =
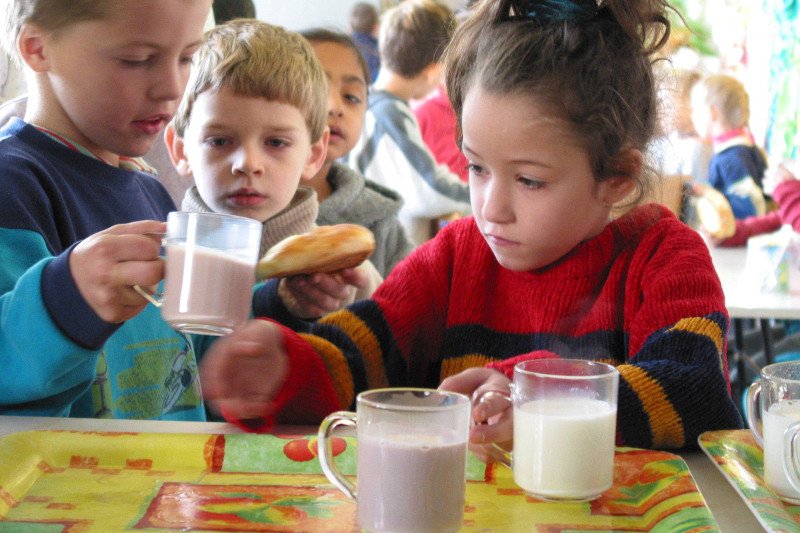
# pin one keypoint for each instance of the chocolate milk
(206, 291)
(411, 483)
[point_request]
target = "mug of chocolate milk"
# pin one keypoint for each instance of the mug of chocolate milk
(209, 272)
(411, 459)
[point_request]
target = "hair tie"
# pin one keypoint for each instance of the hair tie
(555, 11)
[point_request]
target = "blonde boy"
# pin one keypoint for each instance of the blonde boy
(251, 126)
(720, 113)
(104, 78)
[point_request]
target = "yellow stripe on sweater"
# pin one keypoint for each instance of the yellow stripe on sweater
(702, 326)
(455, 365)
(366, 342)
(665, 423)
(337, 367)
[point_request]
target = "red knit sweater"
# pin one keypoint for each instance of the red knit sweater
(642, 295)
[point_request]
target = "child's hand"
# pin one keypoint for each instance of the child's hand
(492, 417)
(106, 266)
(775, 176)
(241, 372)
(314, 295)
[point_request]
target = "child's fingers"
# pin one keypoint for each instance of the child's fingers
(140, 227)
(489, 403)
(501, 431)
(468, 381)
(357, 277)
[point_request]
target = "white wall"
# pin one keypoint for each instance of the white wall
(301, 14)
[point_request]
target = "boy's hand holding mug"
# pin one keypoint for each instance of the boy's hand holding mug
(106, 266)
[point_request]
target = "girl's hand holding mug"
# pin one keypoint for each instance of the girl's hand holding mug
(491, 417)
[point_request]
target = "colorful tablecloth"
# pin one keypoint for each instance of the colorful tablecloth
(66, 481)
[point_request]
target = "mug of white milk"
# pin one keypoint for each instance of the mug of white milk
(773, 414)
(565, 415)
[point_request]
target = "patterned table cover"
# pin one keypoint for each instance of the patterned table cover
(741, 461)
(69, 481)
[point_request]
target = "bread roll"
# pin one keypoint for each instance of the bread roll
(714, 214)
(323, 249)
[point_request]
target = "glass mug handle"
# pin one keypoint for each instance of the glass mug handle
(325, 450)
(152, 296)
(499, 454)
(791, 459)
(754, 411)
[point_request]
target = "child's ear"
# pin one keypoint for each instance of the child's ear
(434, 74)
(620, 186)
(31, 44)
(177, 153)
(319, 152)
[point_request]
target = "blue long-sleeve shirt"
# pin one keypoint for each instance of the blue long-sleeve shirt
(737, 171)
(59, 357)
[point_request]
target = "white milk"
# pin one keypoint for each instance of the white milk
(778, 417)
(564, 447)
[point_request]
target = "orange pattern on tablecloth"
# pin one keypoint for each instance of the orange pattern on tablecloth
(237, 508)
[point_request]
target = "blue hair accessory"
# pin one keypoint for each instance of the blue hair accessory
(555, 11)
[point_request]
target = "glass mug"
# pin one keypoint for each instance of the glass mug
(209, 272)
(565, 416)
(411, 459)
(773, 404)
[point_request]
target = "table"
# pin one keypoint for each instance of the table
(741, 298)
(725, 504)
(744, 301)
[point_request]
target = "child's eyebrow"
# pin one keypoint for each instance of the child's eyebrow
(521, 161)
(349, 78)
(157, 46)
(355, 79)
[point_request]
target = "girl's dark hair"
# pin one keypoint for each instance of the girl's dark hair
(324, 35)
(594, 73)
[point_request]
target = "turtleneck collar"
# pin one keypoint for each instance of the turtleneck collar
(297, 217)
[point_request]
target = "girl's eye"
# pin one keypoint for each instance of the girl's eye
(476, 169)
(186, 60)
(530, 183)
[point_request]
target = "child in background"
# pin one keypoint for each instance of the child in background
(79, 210)
(437, 124)
(250, 127)
(391, 151)
(363, 26)
(556, 107)
(783, 186)
(683, 152)
(720, 113)
(345, 195)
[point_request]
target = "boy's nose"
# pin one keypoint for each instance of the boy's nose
(170, 84)
(247, 161)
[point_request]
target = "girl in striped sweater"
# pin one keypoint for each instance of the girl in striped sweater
(555, 101)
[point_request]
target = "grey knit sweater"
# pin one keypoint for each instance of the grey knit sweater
(358, 200)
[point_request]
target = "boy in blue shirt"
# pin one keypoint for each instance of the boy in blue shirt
(79, 210)
(720, 113)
